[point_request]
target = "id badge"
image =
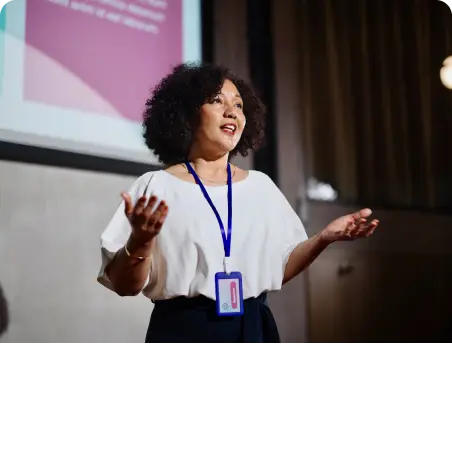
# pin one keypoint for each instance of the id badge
(229, 294)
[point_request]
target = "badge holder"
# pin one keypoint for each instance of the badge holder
(229, 292)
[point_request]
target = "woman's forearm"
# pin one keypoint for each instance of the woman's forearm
(128, 274)
(303, 255)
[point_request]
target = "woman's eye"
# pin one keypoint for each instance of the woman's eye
(216, 100)
(239, 105)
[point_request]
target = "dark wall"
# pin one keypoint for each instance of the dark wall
(261, 67)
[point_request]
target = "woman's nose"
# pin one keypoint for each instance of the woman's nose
(230, 113)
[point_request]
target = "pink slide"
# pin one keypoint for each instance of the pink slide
(100, 56)
(234, 300)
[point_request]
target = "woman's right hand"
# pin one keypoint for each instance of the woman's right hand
(146, 220)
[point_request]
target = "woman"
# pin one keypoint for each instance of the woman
(204, 239)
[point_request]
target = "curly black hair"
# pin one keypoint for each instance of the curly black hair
(171, 113)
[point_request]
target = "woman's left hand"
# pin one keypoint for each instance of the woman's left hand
(350, 227)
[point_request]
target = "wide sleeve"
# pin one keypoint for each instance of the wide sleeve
(294, 232)
(117, 232)
(288, 228)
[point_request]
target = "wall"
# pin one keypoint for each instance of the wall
(50, 223)
(395, 287)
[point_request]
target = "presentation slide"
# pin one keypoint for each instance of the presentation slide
(75, 74)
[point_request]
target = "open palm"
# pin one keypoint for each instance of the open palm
(351, 226)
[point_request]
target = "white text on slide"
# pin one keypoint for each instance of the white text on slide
(127, 13)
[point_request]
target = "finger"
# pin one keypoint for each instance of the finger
(158, 213)
(160, 208)
(360, 222)
(150, 224)
(363, 213)
(368, 229)
(147, 212)
(155, 216)
(140, 206)
(359, 228)
(350, 227)
(372, 227)
(128, 207)
(161, 220)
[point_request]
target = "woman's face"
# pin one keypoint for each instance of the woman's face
(221, 120)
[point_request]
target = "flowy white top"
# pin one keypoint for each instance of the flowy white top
(189, 250)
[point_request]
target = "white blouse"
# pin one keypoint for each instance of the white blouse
(189, 250)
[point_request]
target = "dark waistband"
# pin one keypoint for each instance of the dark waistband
(202, 302)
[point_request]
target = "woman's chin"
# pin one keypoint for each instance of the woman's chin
(229, 146)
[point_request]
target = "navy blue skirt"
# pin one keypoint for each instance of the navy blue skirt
(185, 319)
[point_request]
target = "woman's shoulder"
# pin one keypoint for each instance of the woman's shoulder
(146, 182)
(259, 176)
(165, 178)
(262, 179)
(146, 177)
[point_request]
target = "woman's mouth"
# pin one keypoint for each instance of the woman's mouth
(229, 129)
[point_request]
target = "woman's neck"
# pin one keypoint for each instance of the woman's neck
(210, 168)
(211, 172)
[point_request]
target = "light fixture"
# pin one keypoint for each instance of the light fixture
(446, 72)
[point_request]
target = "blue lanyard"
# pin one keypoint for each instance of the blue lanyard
(226, 238)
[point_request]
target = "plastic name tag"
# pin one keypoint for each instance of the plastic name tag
(229, 294)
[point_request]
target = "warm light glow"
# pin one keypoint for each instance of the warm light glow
(446, 72)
